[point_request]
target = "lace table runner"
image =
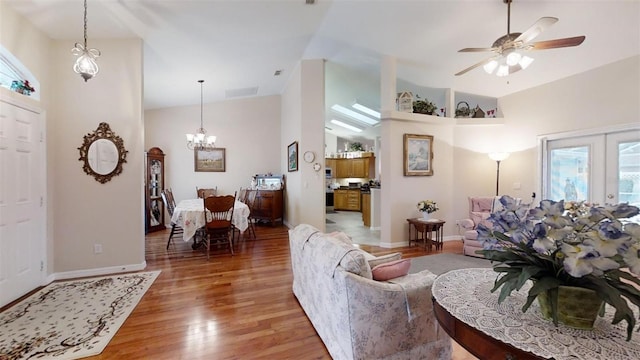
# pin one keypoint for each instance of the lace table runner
(466, 294)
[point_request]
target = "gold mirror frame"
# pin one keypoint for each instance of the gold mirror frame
(102, 132)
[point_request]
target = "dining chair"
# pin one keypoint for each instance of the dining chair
(203, 193)
(170, 197)
(249, 200)
(169, 204)
(218, 212)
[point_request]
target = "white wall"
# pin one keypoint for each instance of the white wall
(609, 95)
(249, 130)
(400, 194)
(32, 48)
(303, 121)
(87, 212)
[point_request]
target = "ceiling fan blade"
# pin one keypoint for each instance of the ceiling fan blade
(557, 43)
(535, 29)
(481, 63)
(477, 49)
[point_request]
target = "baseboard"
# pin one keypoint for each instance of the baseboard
(452, 238)
(97, 272)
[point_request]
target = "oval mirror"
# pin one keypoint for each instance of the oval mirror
(103, 154)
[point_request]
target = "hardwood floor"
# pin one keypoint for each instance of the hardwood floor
(230, 307)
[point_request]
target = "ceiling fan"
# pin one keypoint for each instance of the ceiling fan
(508, 57)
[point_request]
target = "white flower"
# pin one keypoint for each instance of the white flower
(427, 205)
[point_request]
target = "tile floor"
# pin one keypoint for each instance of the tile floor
(351, 223)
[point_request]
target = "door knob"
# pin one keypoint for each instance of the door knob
(610, 196)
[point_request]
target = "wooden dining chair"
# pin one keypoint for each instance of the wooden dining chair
(169, 204)
(249, 199)
(218, 212)
(203, 193)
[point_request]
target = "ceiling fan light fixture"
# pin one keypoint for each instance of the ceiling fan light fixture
(525, 62)
(503, 70)
(513, 58)
(490, 66)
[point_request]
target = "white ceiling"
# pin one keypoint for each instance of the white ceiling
(235, 45)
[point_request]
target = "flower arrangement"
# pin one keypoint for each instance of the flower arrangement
(566, 244)
(427, 206)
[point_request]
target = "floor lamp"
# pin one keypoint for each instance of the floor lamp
(497, 157)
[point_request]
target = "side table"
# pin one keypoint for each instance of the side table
(423, 232)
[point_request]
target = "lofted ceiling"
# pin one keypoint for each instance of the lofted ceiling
(237, 45)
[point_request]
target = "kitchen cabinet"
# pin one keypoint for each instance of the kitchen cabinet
(346, 199)
(366, 209)
(355, 168)
(330, 164)
(154, 214)
(267, 206)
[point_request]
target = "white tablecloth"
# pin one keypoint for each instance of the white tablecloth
(465, 294)
(189, 214)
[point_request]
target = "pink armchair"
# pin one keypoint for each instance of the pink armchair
(479, 210)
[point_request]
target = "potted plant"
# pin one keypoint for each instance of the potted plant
(565, 246)
(424, 106)
(356, 146)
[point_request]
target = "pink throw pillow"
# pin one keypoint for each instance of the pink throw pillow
(391, 270)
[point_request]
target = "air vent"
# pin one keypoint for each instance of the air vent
(244, 92)
(310, 2)
(278, 72)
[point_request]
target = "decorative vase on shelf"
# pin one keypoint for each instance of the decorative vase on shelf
(426, 215)
(577, 307)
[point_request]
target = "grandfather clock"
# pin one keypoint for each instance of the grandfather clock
(154, 186)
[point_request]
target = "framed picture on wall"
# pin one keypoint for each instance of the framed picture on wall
(418, 155)
(292, 156)
(209, 160)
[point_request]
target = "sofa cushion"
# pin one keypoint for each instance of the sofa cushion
(391, 270)
(384, 259)
(355, 262)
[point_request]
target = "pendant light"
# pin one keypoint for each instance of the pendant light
(200, 141)
(86, 64)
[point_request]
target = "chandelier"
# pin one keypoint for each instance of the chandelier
(86, 64)
(200, 141)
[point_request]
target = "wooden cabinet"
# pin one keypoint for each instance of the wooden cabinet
(331, 164)
(267, 206)
(366, 209)
(355, 168)
(346, 199)
(154, 214)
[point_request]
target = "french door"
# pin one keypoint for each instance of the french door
(601, 168)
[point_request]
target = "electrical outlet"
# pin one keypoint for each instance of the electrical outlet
(97, 248)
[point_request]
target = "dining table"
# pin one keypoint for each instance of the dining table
(189, 215)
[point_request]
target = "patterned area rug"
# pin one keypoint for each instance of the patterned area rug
(71, 319)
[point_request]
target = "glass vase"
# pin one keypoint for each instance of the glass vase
(426, 215)
(577, 307)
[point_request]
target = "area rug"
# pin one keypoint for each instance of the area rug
(71, 319)
(441, 263)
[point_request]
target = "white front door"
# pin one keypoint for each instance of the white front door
(602, 168)
(22, 174)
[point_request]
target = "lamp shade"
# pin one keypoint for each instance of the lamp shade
(498, 156)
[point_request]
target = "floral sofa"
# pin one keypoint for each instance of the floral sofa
(358, 317)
